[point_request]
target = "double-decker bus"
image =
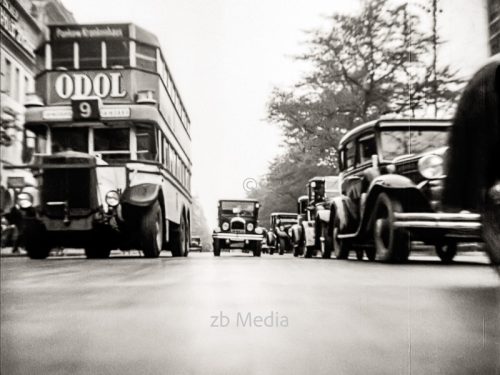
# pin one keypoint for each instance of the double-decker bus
(107, 137)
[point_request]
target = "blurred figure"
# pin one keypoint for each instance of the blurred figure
(473, 181)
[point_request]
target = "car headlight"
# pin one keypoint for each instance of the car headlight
(112, 198)
(282, 228)
(259, 230)
(24, 200)
(250, 227)
(225, 226)
(431, 166)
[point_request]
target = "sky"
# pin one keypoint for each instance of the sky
(226, 57)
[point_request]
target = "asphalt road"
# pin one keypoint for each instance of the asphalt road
(129, 315)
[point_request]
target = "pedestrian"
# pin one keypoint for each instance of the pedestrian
(473, 182)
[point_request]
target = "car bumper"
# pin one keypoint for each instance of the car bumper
(238, 237)
(459, 223)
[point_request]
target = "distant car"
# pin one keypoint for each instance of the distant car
(278, 236)
(195, 244)
(314, 224)
(296, 232)
(238, 226)
(392, 174)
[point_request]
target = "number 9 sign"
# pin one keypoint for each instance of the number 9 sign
(85, 109)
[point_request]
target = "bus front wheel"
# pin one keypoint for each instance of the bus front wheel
(151, 235)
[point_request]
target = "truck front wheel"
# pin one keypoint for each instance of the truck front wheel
(217, 247)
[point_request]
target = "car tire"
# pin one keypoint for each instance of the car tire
(360, 254)
(340, 247)
(327, 253)
(36, 240)
(309, 251)
(491, 225)
(217, 247)
(446, 252)
(281, 246)
(180, 241)
(151, 231)
(391, 244)
(257, 249)
(370, 253)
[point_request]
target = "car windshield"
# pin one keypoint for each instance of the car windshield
(398, 142)
(238, 208)
(331, 185)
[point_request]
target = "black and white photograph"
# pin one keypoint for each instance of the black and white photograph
(250, 187)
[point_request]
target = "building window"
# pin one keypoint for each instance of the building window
(7, 76)
(27, 88)
(16, 90)
(62, 55)
(90, 54)
(145, 57)
(117, 53)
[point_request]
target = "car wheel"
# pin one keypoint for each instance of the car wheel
(257, 249)
(491, 225)
(359, 254)
(340, 248)
(327, 253)
(180, 240)
(391, 244)
(446, 252)
(36, 240)
(281, 246)
(151, 231)
(217, 247)
(370, 253)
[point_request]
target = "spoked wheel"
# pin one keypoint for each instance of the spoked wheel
(151, 231)
(328, 245)
(340, 248)
(446, 252)
(180, 246)
(391, 244)
(36, 240)
(217, 246)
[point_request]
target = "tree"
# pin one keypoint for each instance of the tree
(367, 65)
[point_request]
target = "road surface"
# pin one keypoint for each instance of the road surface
(243, 315)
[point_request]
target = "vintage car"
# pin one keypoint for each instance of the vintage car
(238, 226)
(392, 175)
(278, 236)
(195, 244)
(296, 229)
(313, 227)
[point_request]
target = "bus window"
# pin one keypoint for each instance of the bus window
(145, 57)
(146, 144)
(70, 139)
(62, 55)
(90, 54)
(112, 144)
(117, 53)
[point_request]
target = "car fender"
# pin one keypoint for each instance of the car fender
(392, 181)
(323, 216)
(342, 207)
(142, 195)
(296, 230)
(309, 233)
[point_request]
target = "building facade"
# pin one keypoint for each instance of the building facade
(22, 28)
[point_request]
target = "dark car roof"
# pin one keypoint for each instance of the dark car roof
(393, 122)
